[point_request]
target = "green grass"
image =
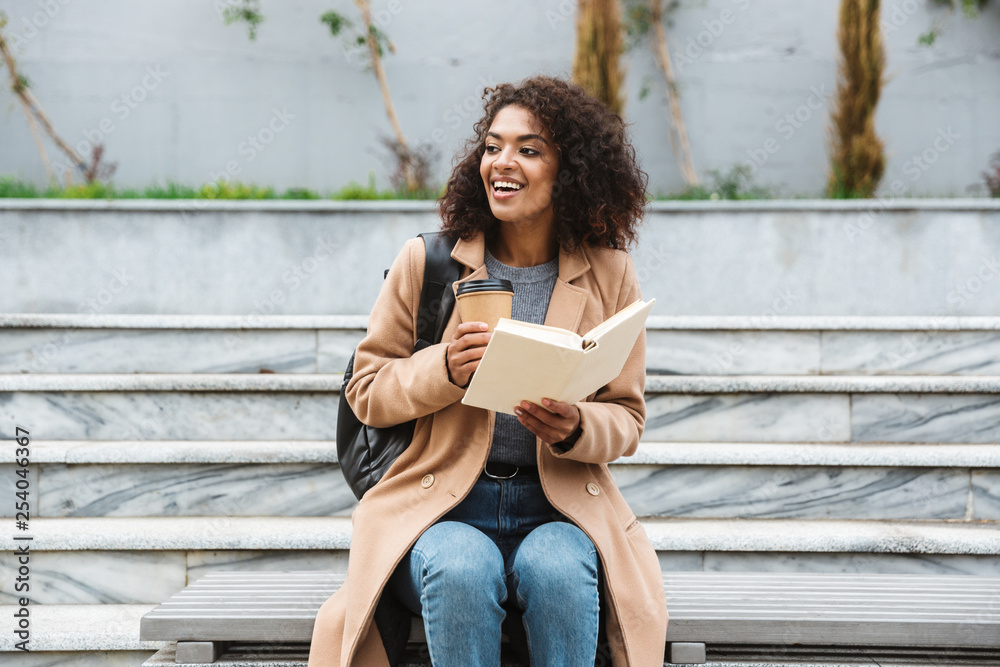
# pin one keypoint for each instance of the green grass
(11, 187)
(355, 191)
(732, 185)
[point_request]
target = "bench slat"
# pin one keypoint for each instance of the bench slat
(708, 607)
(735, 609)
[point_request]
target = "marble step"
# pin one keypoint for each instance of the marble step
(667, 534)
(145, 560)
(697, 480)
(725, 345)
(655, 384)
(939, 455)
(82, 635)
(679, 408)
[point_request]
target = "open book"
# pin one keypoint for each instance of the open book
(529, 362)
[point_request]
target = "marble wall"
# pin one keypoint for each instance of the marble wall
(766, 350)
(758, 259)
(697, 491)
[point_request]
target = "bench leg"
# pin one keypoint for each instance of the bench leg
(686, 653)
(199, 652)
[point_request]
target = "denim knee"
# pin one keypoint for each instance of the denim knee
(458, 565)
(556, 562)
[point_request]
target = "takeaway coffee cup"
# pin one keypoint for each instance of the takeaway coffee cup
(485, 300)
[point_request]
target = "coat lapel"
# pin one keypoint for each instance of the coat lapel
(568, 300)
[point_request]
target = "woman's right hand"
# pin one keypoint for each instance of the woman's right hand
(465, 350)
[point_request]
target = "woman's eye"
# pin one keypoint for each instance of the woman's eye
(492, 149)
(529, 151)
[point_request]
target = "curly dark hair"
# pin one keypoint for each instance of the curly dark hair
(600, 192)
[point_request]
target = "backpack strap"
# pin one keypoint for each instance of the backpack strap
(437, 298)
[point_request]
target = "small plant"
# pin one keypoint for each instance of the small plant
(970, 8)
(11, 188)
(992, 176)
(356, 191)
(96, 171)
(406, 161)
(170, 191)
(247, 11)
(733, 184)
(88, 190)
(300, 193)
(234, 190)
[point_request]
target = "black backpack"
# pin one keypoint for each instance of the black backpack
(364, 452)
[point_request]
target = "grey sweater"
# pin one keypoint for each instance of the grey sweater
(533, 285)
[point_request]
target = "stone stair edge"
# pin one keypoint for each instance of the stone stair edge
(666, 534)
(82, 627)
(655, 384)
(127, 452)
(813, 323)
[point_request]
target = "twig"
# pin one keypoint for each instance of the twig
(47, 124)
(37, 136)
(678, 130)
(365, 8)
(34, 111)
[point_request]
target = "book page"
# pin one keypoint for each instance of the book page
(528, 362)
(515, 368)
(623, 314)
(552, 335)
(604, 360)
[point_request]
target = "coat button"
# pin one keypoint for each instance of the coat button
(427, 481)
(593, 489)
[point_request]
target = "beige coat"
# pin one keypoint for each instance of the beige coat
(393, 384)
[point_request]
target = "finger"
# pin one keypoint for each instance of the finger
(472, 340)
(535, 425)
(550, 427)
(463, 357)
(558, 407)
(470, 327)
(547, 433)
(545, 416)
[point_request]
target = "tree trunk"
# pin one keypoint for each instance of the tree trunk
(858, 155)
(597, 60)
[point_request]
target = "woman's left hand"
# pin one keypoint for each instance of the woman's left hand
(553, 423)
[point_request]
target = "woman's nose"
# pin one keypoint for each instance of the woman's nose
(505, 160)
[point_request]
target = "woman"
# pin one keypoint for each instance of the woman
(487, 516)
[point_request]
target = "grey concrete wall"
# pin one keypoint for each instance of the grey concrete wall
(918, 257)
(174, 94)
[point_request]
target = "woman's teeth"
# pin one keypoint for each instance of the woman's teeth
(506, 185)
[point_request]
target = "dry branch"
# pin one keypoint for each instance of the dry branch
(34, 111)
(678, 129)
(365, 8)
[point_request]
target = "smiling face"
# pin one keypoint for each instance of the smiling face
(519, 168)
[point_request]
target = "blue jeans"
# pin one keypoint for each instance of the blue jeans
(503, 542)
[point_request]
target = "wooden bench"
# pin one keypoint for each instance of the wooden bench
(889, 614)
